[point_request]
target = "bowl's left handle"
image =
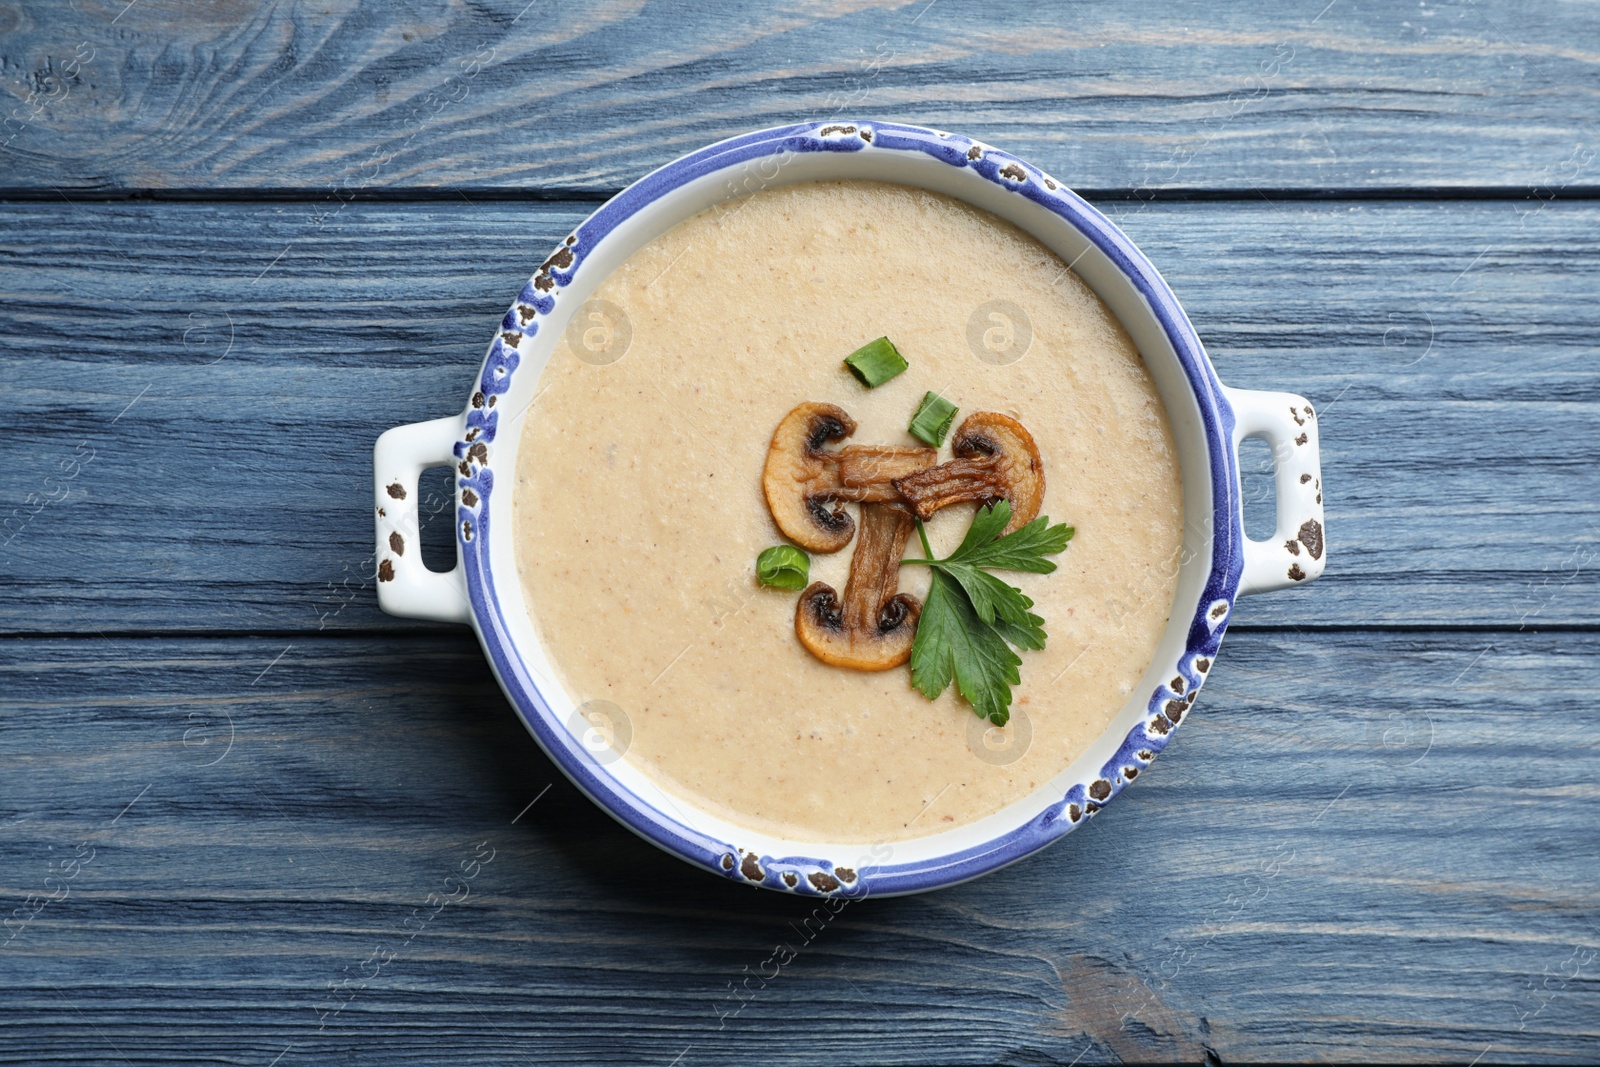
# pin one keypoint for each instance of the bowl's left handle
(1297, 552)
(405, 586)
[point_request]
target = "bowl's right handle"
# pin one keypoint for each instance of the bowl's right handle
(405, 586)
(1299, 548)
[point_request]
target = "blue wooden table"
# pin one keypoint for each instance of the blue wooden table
(237, 241)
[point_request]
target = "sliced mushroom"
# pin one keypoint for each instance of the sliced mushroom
(873, 628)
(799, 473)
(995, 458)
(803, 481)
(867, 472)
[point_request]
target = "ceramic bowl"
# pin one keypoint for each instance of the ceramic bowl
(1208, 419)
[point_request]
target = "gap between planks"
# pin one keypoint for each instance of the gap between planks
(491, 195)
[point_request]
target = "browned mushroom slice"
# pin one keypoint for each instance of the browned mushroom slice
(799, 473)
(874, 627)
(995, 458)
(803, 481)
(867, 472)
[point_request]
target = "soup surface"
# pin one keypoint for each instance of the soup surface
(639, 512)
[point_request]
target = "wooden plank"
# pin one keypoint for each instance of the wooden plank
(214, 375)
(1361, 846)
(1314, 95)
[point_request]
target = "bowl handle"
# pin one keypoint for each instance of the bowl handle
(1298, 549)
(405, 586)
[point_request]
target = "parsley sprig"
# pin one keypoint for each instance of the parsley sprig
(971, 619)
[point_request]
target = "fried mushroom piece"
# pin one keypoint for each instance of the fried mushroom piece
(995, 458)
(867, 472)
(799, 473)
(872, 630)
(803, 481)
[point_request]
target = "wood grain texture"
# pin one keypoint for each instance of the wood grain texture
(1360, 846)
(347, 97)
(220, 827)
(215, 376)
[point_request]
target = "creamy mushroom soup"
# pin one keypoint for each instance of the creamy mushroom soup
(639, 509)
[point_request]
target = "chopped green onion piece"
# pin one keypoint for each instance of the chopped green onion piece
(783, 567)
(932, 420)
(875, 362)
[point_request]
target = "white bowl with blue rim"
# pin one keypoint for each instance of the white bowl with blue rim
(1208, 420)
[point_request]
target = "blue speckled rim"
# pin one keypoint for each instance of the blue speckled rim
(803, 874)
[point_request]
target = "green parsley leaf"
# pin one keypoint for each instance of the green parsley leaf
(1020, 550)
(971, 618)
(1021, 636)
(995, 602)
(986, 526)
(783, 567)
(953, 642)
